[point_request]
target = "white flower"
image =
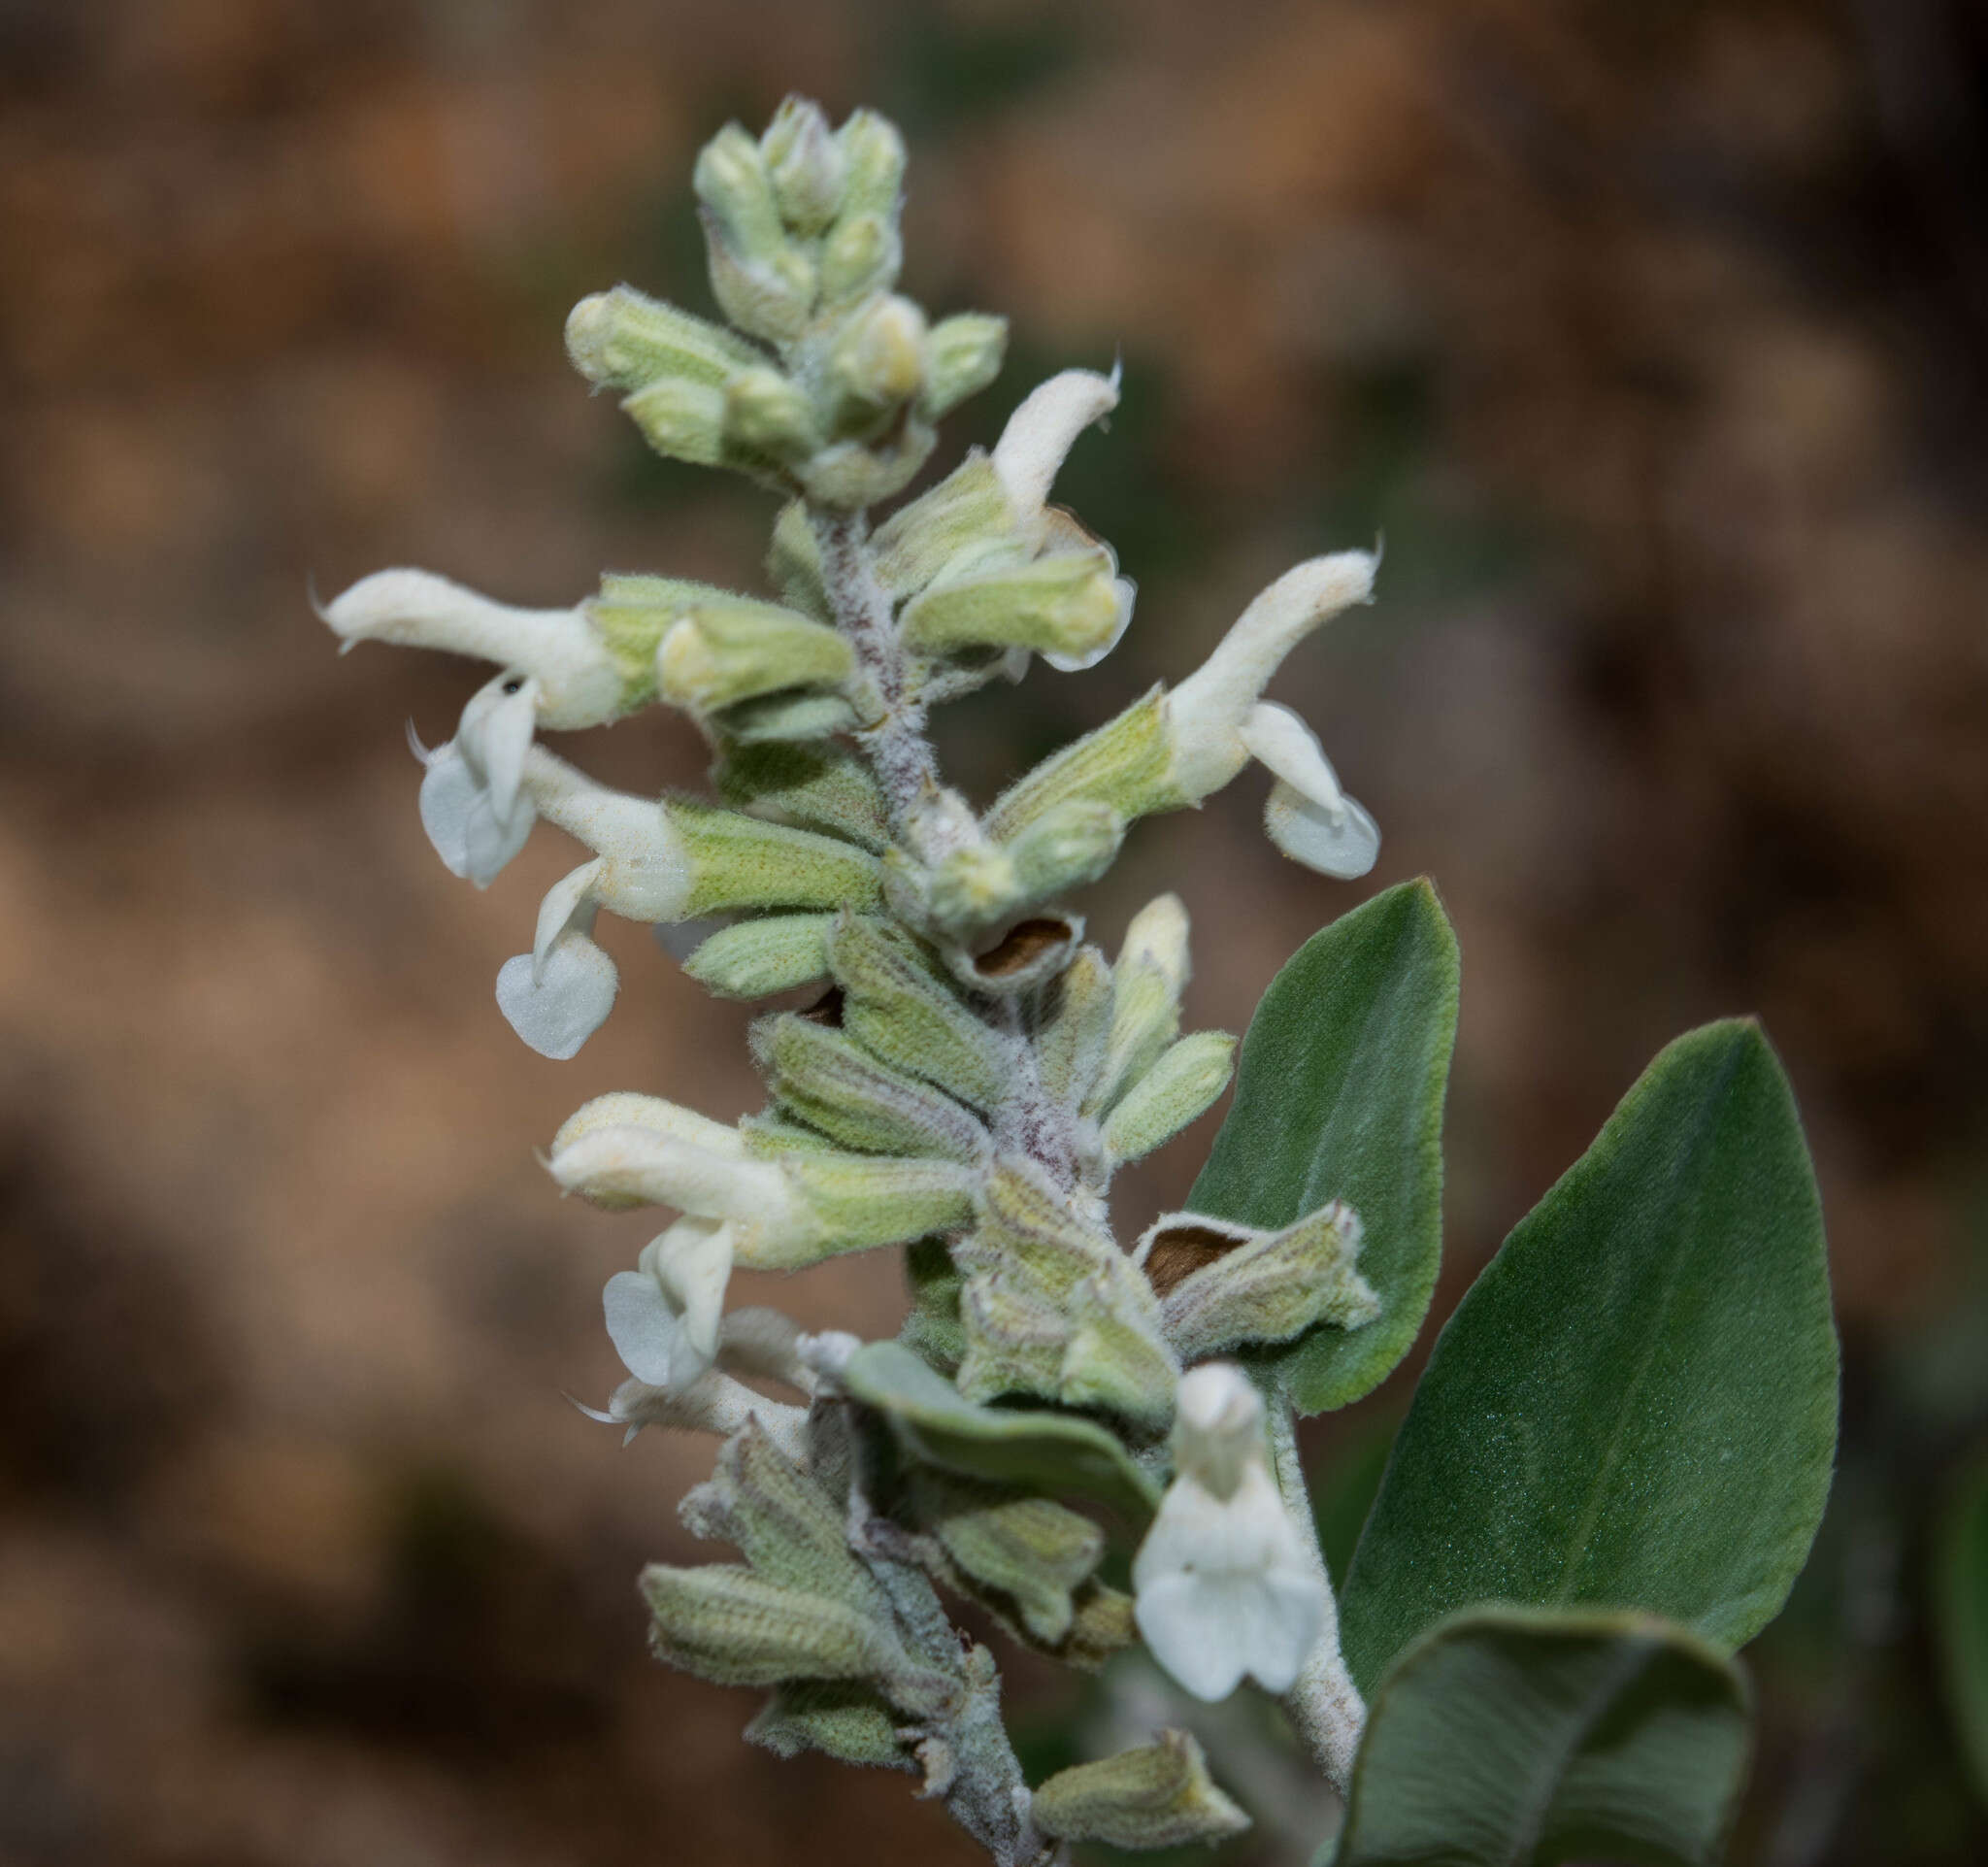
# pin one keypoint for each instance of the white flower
(1032, 447)
(633, 1163)
(577, 681)
(663, 1316)
(473, 806)
(1224, 1586)
(559, 995)
(1218, 721)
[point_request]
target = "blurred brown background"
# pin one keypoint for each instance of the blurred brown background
(1652, 337)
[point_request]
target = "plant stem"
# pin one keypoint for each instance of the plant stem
(1325, 1707)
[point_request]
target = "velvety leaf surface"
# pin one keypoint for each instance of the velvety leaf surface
(1510, 1738)
(1636, 1404)
(1960, 1610)
(1338, 1095)
(1051, 1453)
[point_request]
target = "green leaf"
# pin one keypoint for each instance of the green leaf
(1512, 1737)
(1044, 1451)
(1338, 1095)
(1960, 1614)
(1636, 1404)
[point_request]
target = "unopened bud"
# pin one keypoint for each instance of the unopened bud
(899, 1007)
(876, 364)
(771, 297)
(731, 180)
(804, 162)
(1122, 763)
(1066, 848)
(1029, 1552)
(963, 354)
(1181, 1086)
(833, 1083)
(729, 650)
(863, 254)
(866, 1200)
(873, 159)
(1158, 1796)
(626, 340)
(765, 413)
(726, 1624)
(965, 517)
(758, 958)
(814, 787)
(1070, 1043)
(739, 862)
(1068, 603)
(680, 418)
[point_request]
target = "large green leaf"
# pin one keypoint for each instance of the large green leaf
(1960, 1613)
(1057, 1453)
(1636, 1404)
(1512, 1737)
(1338, 1095)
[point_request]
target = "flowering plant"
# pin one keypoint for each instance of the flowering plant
(1616, 1457)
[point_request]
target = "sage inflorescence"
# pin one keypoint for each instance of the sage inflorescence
(952, 1068)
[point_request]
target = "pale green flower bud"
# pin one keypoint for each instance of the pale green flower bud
(962, 355)
(862, 254)
(772, 298)
(876, 364)
(677, 860)
(785, 718)
(811, 786)
(838, 1717)
(632, 615)
(1055, 1308)
(732, 183)
(783, 1523)
(680, 418)
(1029, 1552)
(850, 474)
(1122, 763)
(731, 648)
(1071, 1039)
(1069, 604)
(726, 1624)
(1224, 1285)
(1158, 1796)
(1066, 848)
(1182, 1086)
(804, 162)
(768, 413)
(626, 340)
(794, 564)
(833, 1083)
(861, 1201)
(971, 888)
(874, 159)
(579, 683)
(1146, 1002)
(965, 512)
(899, 1007)
(758, 958)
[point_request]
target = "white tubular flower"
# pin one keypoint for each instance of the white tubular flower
(1217, 723)
(1223, 1588)
(663, 1316)
(643, 1165)
(1041, 431)
(559, 995)
(1307, 816)
(578, 682)
(473, 805)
